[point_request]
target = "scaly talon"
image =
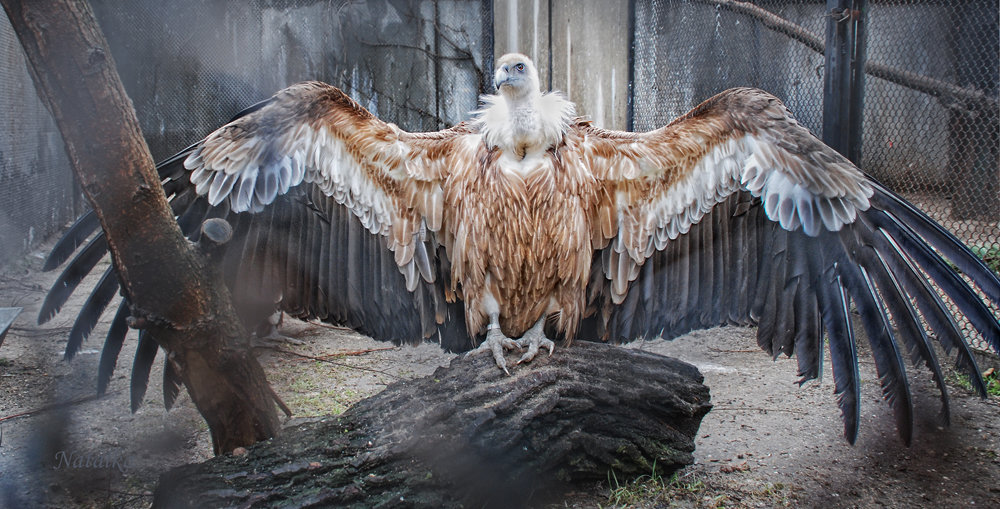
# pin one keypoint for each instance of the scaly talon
(496, 343)
(534, 342)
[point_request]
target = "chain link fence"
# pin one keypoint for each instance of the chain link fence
(930, 121)
(37, 193)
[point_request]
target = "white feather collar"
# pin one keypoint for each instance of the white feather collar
(535, 123)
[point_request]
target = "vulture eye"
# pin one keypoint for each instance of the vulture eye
(519, 67)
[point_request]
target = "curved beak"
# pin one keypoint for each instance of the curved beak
(501, 78)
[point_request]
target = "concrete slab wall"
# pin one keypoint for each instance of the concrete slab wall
(579, 46)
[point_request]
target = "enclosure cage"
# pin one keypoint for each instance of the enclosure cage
(930, 122)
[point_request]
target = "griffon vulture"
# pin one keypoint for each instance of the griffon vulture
(526, 224)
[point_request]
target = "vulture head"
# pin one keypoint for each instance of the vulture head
(515, 76)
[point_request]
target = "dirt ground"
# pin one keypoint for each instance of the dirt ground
(766, 442)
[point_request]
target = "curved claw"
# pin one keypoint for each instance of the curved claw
(534, 343)
(496, 343)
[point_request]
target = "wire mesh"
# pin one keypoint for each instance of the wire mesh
(930, 121)
(34, 170)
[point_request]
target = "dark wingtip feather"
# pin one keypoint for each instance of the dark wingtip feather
(145, 354)
(885, 350)
(171, 384)
(943, 240)
(71, 276)
(843, 355)
(71, 239)
(112, 347)
(91, 312)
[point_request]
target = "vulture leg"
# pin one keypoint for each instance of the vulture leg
(496, 343)
(267, 332)
(533, 339)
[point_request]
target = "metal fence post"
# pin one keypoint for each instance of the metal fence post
(857, 107)
(837, 76)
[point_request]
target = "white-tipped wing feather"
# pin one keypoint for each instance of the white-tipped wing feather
(313, 133)
(736, 214)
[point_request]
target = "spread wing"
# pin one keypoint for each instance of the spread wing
(336, 217)
(736, 214)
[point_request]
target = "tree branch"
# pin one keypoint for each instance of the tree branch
(188, 313)
(951, 94)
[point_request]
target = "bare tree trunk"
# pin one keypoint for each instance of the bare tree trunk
(471, 436)
(174, 293)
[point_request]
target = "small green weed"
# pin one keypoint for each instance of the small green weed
(990, 256)
(990, 377)
(647, 487)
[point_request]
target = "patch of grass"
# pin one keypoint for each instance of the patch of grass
(648, 487)
(312, 398)
(990, 256)
(5, 362)
(992, 380)
(993, 384)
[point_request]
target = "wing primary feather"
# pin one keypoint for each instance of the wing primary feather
(171, 384)
(173, 166)
(943, 240)
(843, 352)
(885, 349)
(908, 323)
(74, 236)
(961, 294)
(145, 354)
(112, 347)
(933, 310)
(66, 283)
(91, 312)
(252, 108)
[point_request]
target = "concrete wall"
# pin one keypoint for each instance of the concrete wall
(190, 65)
(579, 46)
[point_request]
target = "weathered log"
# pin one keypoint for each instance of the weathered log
(471, 436)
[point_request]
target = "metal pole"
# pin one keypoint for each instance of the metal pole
(630, 100)
(858, 86)
(837, 78)
(486, 76)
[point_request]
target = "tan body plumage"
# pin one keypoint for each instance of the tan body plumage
(731, 214)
